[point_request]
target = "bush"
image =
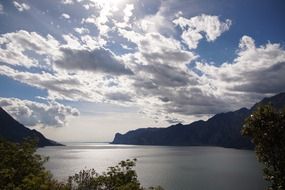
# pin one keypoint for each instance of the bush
(22, 169)
(266, 127)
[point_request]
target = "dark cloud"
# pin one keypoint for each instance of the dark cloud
(164, 99)
(118, 96)
(165, 75)
(67, 89)
(179, 91)
(186, 103)
(97, 60)
(264, 80)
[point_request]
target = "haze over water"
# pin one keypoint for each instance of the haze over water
(174, 168)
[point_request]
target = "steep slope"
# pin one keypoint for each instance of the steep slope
(14, 131)
(220, 130)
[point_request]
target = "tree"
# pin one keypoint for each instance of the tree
(22, 169)
(119, 177)
(266, 127)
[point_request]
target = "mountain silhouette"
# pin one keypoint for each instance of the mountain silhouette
(221, 130)
(12, 130)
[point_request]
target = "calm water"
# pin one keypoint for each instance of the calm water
(174, 168)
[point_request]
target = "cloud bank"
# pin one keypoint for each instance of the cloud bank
(136, 54)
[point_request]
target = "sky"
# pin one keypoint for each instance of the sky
(82, 70)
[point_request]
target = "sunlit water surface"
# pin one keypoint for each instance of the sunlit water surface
(174, 168)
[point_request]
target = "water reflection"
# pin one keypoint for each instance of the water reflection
(171, 167)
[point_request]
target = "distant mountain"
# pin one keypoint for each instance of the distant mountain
(220, 130)
(12, 130)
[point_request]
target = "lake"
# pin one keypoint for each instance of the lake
(174, 168)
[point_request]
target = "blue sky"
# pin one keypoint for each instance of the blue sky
(85, 69)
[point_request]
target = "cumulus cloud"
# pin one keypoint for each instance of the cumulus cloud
(72, 42)
(81, 30)
(194, 28)
(64, 83)
(101, 20)
(163, 82)
(21, 6)
(163, 87)
(67, 2)
(97, 60)
(128, 11)
(255, 70)
(66, 16)
(14, 47)
(131, 54)
(29, 113)
(163, 50)
(58, 86)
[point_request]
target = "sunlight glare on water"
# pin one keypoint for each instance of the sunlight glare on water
(174, 168)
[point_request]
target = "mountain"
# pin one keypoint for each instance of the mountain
(12, 130)
(220, 130)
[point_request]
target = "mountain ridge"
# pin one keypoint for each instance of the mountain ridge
(223, 130)
(12, 130)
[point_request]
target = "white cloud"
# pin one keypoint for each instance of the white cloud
(159, 22)
(102, 19)
(194, 27)
(153, 70)
(65, 82)
(162, 80)
(67, 2)
(66, 16)
(71, 42)
(163, 50)
(128, 11)
(58, 86)
(254, 72)
(21, 6)
(81, 30)
(86, 6)
(153, 23)
(29, 113)
(246, 42)
(91, 42)
(14, 47)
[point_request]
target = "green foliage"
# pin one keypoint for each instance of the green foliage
(119, 177)
(22, 169)
(266, 127)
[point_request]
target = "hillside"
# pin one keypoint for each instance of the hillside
(220, 130)
(12, 130)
